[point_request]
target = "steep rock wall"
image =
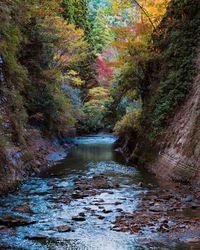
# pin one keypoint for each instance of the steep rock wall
(179, 155)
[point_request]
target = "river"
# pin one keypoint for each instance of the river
(87, 220)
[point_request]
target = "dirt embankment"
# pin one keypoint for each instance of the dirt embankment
(20, 162)
(179, 156)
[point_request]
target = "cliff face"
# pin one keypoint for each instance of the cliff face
(168, 140)
(179, 155)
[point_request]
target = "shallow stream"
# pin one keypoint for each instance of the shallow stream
(48, 197)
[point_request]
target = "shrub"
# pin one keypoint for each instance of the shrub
(128, 124)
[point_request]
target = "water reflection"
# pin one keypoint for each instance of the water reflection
(87, 149)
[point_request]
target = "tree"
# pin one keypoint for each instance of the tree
(53, 48)
(101, 34)
(76, 12)
(68, 11)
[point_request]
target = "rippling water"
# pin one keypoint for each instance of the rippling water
(93, 156)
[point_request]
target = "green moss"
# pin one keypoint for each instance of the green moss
(177, 41)
(15, 74)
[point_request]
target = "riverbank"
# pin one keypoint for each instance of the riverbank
(166, 176)
(167, 215)
(38, 155)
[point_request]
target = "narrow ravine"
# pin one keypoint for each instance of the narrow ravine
(74, 204)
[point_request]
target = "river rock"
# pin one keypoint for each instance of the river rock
(78, 218)
(96, 182)
(156, 208)
(79, 195)
(15, 221)
(87, 208)
(119, 210)
(63, 229)
(117, 203)
(81, 214)
(25, 208)
(140, 184)
(99, 201)
(36, 237)
(194, 205)
(193, 240)
(117, 229)
(167, 197)
(66, 200)
(164, 227)
(2, 227)
(100, 217)
(188, 198)
(107, 211)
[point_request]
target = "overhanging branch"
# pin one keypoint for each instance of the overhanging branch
(145, 12)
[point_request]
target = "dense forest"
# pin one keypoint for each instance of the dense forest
(90, 66)
(77, 67)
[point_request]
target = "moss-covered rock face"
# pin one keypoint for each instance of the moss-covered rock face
(169, 135)
(15, 76)
(177, 40)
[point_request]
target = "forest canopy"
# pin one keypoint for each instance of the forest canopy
(82, 65)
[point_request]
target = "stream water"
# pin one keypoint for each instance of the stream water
(48, 198)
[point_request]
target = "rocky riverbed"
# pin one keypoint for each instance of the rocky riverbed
(94, 200)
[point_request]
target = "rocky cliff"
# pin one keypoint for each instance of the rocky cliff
(168, 140)
(179, 155)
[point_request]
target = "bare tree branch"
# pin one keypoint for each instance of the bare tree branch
(145, 12)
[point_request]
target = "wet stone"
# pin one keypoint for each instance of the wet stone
(78, 218)
(101, 207)
(194, 206)
(25, 208)
(119, 210)
(36, 237)
(193, 240)
(87, 208)
(118, 203)
(54, 207)
(140, 184)
(100, 217)
(156, 208)
(63, 229)
(99, 201)
(79, 195)
(188, 198)
(117, 229)
(164, 227)
(66, 200)
(15, 221)
(2, 227)
(107, 211)
(82, 214)
(96, 182)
